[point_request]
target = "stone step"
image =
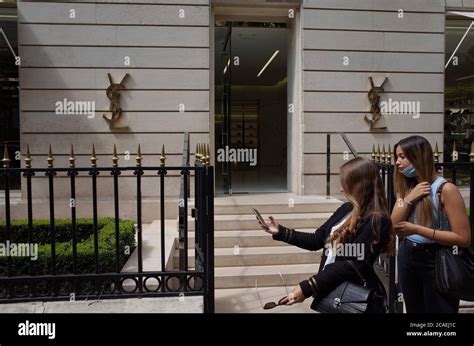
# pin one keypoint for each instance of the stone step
(245, 238)
(263, 276)
(151, 247)
(275, 203)
(257, 256)
(249, 222)
(276, 208)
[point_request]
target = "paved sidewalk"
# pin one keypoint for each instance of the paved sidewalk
(131, 305)
(246, 300)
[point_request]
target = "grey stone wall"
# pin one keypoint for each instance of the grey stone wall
(378, 43)
(67, 49)
(170, 64)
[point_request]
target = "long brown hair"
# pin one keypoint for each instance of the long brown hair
(364, 189)
(420, 153)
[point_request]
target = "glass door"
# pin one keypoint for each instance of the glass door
(251, 107)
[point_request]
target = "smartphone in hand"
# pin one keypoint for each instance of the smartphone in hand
(260, 218)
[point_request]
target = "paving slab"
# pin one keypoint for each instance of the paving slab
(130, 305)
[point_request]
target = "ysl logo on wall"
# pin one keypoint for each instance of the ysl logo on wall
(374, 99)
(113, 94)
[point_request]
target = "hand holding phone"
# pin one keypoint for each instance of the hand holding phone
(260, 218)
(271, 228)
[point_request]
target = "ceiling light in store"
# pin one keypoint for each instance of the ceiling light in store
(464, 78)
(464, 14)
(268, 62)
(459, 44)
(227, 66)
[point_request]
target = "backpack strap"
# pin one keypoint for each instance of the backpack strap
(438, 196)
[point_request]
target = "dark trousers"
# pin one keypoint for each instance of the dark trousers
(416, 265)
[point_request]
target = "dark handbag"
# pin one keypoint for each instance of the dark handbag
(350, 297)
(454, 270)
(454, 273)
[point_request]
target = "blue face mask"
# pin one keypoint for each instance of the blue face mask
(409, 172)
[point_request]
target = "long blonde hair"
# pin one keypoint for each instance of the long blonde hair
(419, 152)
(364, 189)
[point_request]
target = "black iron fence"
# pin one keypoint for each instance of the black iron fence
(106, 278)
(13, 149)
(328, 156)
(386, 265)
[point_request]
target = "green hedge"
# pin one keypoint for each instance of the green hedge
(64, 257)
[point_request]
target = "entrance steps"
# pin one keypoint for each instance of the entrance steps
(245, 255)
(244, 238)
(247, 221)
(250, 267)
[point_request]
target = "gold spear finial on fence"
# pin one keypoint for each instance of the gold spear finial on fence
(377, 156)
(72, 158)
(196, 153)
(50, 158)
(382, 154)
(206, 155)
(139, 156)
(436, 153)
(454, 154)
(471, 155)
(389, 155)
(93, 157)
(162, 156)
(115, 157)
(200, 153)
(28, 158)
(203, 153)
(6, 159)
(373, 152)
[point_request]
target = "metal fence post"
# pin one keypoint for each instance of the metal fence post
(210, 306)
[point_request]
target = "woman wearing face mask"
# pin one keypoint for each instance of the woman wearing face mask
(415, 219)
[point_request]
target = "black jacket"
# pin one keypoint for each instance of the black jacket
(339, 271)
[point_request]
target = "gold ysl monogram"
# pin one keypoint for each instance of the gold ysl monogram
(374, 99)
(113, 94)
